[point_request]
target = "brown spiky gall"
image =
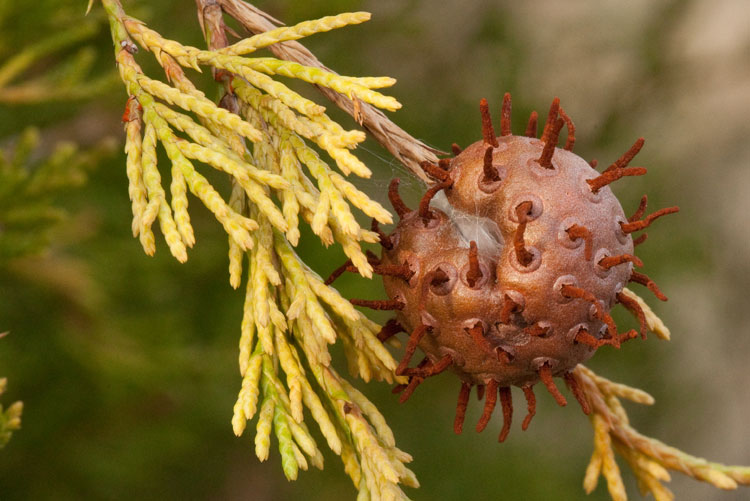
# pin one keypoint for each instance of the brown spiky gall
(507, 270)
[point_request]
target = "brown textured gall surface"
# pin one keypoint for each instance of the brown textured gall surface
(513, 302)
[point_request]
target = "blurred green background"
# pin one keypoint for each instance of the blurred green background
(127, 364)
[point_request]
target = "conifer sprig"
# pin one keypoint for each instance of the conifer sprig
(264, 136)
(316, 194)
(649, 459)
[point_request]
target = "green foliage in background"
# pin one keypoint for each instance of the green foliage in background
(10, 418)
(28, 189)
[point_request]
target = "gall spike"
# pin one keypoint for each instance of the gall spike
(505, 116)
(488, 131)
(506, 402)
(382, 236)
(528, 392)
(571, 140)
(461, 405)
(489, 405)
(531, 125)
(398, 205)
(390, 329)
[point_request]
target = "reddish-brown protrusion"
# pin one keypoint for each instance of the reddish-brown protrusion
(614, 338)
(554, 112)
(634, 308)
(475, 272)
(571, 140)
(431, 369)
(584, 337)
(390, 329)
(610, 176)
(411, 346)
(480, 392)
(638, 241)
(385, 240)
(439, 366)
(424, 205)
(434, 171)
(532, 125)
(488, 132)
(505, 116)
(536, 330)
(528, 392)
(379, 304)
(610, 261)
(549, 146)
(489, 405)
(632, 226)
(626, 157)
(394, 270)
(414, 381)
(572, 291)
(388, 270)
(398, 205)
(572, 383)
(578, 231)
(338, 272)
(509, 307)
(643, 279)
(594, 163)
(627, 336)
(640, 210)
(463, 402)
(372, 258)
(545, 374)
(477, 334)
(409, 389)
(445, 163)
(506, 402)
(456, 149)
(489, 173)
(502, 355)
(523, 255)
